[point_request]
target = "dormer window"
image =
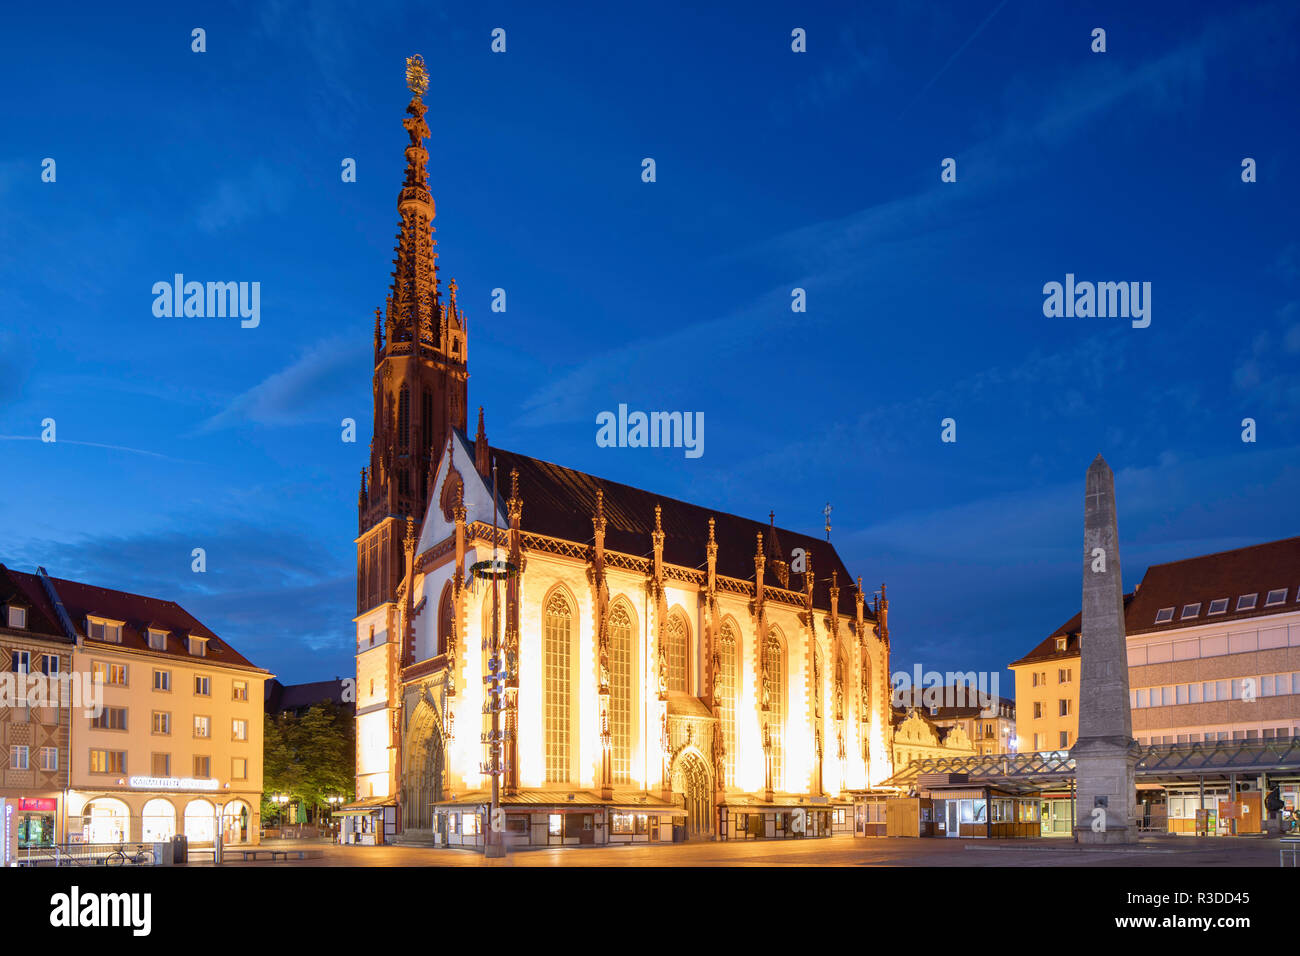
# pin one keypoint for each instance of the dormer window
(1247, 602)
(1191, 610)
(102, 629)
(1218, 606)
(1275, 596)
(16, 616)
(198, 646)
(1060, 643)
(157, 639)
(1164, 615)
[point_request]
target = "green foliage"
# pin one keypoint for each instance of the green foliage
(309, 758)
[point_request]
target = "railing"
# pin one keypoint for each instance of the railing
(97, 854)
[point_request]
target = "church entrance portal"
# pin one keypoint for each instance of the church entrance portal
(691, 779)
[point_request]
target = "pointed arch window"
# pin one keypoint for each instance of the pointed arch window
(679, 642)
(404, 419)
(620, 691)
(444, 619)
(728, 683)
(557, 629)
(774, 656)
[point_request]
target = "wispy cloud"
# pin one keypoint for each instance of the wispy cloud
(297, 394)
(235, 201)
(96, 444)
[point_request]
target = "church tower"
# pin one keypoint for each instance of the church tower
(419, 385)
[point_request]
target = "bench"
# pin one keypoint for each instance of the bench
(1289, 845)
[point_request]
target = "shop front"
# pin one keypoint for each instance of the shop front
(36, 822)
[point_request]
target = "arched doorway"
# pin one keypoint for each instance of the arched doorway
(234, 822)
(158, 821)
(108, 820)
(691, 778)
(422, 776)
(200, 822)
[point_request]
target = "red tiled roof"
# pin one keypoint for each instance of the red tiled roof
(559, 502)
(42, 621)
(1256, 569)
(137, 611)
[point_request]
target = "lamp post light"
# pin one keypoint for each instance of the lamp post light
(494, 680)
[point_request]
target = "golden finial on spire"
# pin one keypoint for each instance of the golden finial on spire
(417, 77)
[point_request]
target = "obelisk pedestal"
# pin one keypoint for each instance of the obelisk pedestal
(1105, 754)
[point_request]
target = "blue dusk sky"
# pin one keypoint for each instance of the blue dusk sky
(774, 170)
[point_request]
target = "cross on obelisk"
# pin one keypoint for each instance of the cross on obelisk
(827, 512)
(1105, 754)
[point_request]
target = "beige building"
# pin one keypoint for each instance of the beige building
(917, 737)
(176, 743)
(989, 725)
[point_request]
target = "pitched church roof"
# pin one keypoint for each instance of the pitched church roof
(559, 502)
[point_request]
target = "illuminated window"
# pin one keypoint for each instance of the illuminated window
(620, 691)
(727, 683)
(445, 619)
(678, 652)
(239, 690)
(557, 628)
(775, 660)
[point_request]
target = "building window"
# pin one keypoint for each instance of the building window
(239, 730)
(203, 686)
(239, 690)
(109, 718)
(774, 697)
(1191, 610)
(198, 646)
(1065, 739)
(1247, 602)
(239, 768)
(157, 640)
(112, 674)
(202, 766)
(162, 722)
(557, 650)
(17, 617)
(18, 758)
(1038, 710)
(1064, 707)
(728, 682)
(445, 619)
(104, 631)
(555, 824)
(162, 765)
(1218, 606)
(49, 758)
(20, 662)
(202, 726)
(1064, 675)
(1033, 679)
(1060, 643)
(108, 761)
(1276, 596)
(620, 691)
(1164, 615)
(50, 665)
(678, 647)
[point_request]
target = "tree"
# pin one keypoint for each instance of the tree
(309, 757)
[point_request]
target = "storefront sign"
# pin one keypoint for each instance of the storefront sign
(44, 804)
(11, 836)
(172, 783)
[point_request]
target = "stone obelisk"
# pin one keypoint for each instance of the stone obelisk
(1105, 753)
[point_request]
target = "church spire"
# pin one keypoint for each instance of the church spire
(414, 311)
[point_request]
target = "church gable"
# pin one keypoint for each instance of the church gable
(456, 469)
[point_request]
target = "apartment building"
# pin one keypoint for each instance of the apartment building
(175, 743)
(34, 729)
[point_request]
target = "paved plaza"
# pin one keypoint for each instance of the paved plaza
(834, 851)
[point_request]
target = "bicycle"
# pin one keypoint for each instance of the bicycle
(142, 857)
